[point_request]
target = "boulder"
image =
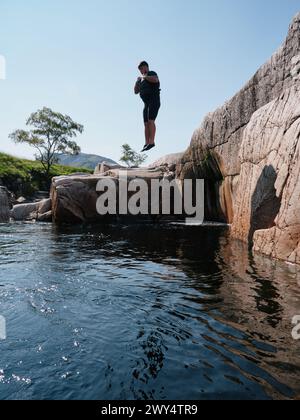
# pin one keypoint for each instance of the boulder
(248, 153)
(5, 205)
(44, 206)
(26, 212)
(74, 198)
(45, 217)
(21, 200)
(39, 211)
(268, 195)
(214, 150)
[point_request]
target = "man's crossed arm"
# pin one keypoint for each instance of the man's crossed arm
(152, 79)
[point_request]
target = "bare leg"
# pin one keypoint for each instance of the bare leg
(152, 129)
(147, 133)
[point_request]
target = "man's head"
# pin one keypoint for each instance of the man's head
(144, 67)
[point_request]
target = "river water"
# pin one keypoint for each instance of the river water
(144, 312)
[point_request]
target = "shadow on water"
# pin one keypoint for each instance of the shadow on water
(159, 312)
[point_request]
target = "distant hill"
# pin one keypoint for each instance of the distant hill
(83, 160)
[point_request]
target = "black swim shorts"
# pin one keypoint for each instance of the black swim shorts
(152, 106)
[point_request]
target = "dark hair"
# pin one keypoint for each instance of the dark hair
(143, 63)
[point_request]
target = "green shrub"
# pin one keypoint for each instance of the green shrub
(24, 177)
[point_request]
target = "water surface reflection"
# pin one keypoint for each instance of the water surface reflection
(144, 312)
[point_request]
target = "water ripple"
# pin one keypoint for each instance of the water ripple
(152, 313)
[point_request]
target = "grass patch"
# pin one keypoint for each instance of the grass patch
(25, 177)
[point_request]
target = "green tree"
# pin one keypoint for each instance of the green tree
(130, 157)
(52, 133)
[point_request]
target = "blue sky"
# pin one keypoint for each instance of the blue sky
(80, 58)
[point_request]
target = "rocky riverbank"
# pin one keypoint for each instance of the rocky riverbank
(247, 151)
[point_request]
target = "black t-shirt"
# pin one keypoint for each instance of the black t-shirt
(148, 89)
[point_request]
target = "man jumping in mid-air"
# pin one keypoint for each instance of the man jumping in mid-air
(148, 86)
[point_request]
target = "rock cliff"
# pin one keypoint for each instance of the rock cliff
(248, 153)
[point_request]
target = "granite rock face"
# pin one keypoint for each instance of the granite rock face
(74, 199)
(247, 151)
(103, 167)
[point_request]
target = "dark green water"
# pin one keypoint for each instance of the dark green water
(144, 313)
